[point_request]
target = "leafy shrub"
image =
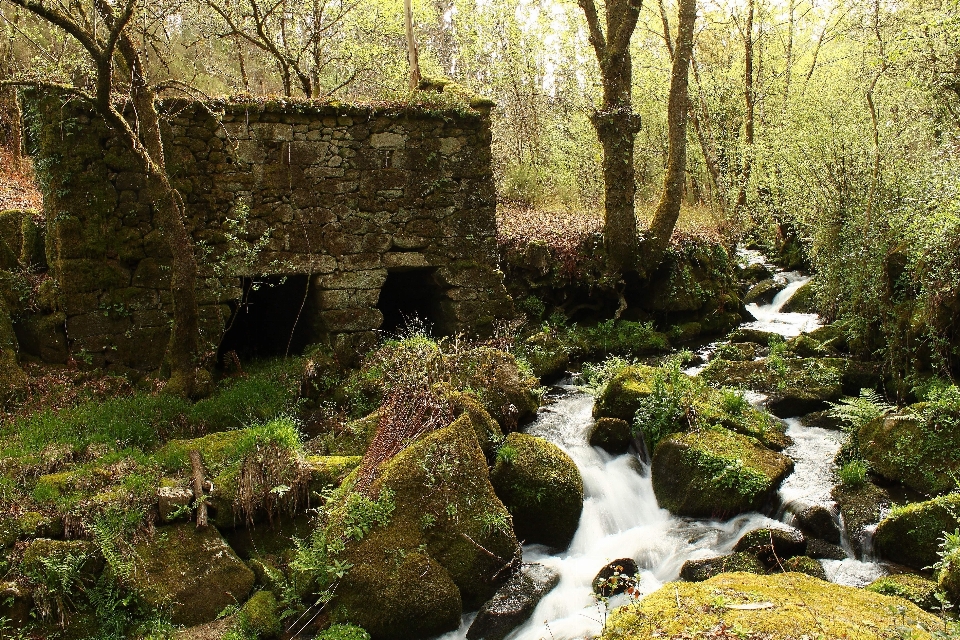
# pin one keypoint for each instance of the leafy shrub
(665, 410)
(596, 376)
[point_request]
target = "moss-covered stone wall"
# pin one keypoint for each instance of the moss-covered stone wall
(342, 193)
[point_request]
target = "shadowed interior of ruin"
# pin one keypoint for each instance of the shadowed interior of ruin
(411, 298)
(271, 319)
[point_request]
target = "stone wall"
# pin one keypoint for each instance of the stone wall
(342, 193)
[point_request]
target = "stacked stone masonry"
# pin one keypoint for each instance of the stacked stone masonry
(342, 193)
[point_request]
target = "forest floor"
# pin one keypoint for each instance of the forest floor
(18, 188)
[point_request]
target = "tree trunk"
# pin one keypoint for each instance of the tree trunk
(412, 56)
(747, 167)
(668, 209)
(617, 128)
(183, 349)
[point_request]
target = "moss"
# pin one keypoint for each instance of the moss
(446, 510)
(772, 546)
(801, 605)
(611, 434)
(486, 428)
(737, 352)
(805, 564)
(860, 507)
(42, 550)
(917, 589)
(542, 488)
(685, 332)
(259, 615)
(948, 576)
(911, 535)
(344, 632)
(700, 570)
(803, 300)
(329, 471)
(905, 448)
(715, 472)
(190, 572)
(623, 394)
(547, 355)
(12, 379)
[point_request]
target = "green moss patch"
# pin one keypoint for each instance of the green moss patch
(912, 535)
(715, 472)
(776, 607)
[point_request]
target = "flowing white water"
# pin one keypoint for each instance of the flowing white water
(769, 317)
(621, 518)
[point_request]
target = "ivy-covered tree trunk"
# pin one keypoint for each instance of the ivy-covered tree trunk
(668, 209)
(616, 126)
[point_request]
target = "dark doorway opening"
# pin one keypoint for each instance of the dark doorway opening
(411, 297)
(270, 319)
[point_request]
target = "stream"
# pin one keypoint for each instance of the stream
(621, 517)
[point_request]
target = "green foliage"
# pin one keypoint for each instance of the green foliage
(856, 412)
(727, 471)
(595, 376)
(506, 454)
(344, 632)
(667, 409)
(361, 514)
(853, 474)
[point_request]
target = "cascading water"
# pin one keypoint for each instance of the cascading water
(621, 517)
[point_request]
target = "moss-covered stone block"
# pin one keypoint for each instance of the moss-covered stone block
(917, 589)
(902, 447)
(706, 568)
(911, 535)
(613, 435)
(259, 615)
(542, 488)
(190, 572)
(622, 395)
(715, 473)
(776, 607)
(446, 514)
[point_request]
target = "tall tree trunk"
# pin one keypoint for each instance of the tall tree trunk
(183, 349)
(616, 126)
(668, 209)
(412, 56)
(748, 97)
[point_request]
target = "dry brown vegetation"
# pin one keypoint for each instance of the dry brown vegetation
(18, 188)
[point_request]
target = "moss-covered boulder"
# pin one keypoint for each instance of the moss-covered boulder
(613, 435)
(739, 351)
(42, 555)
(803, 300)
(547, 355)
(763, 292)
(447, 539)
(622, 395)
(860, 507)
(487, 429)
(259, 616)
(822, 550)
(917, 589)
(803, 346)
(756, 336)
(706, 568)
(911, 535)
(772, 546)
(191, 573)
(948, 576)
(831, 336)
(327, 472)
(542, 488)
(507, 391)
(715, 473)
(783, 606)
(904, 447)
(804, 564)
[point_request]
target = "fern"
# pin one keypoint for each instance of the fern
(856, 412)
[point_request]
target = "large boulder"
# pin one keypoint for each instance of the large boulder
(772, 546)
(912, 535)
(803, 300)
(715, 473)
(542, 488)
(783, 606)
(902, 447)
(764, 292)
(447, 538)
(706, 568)
(860, 507)
(804, 564)
(819, 522)
(613, 435)
(513, 604)
(190, 572)
(622, 395)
